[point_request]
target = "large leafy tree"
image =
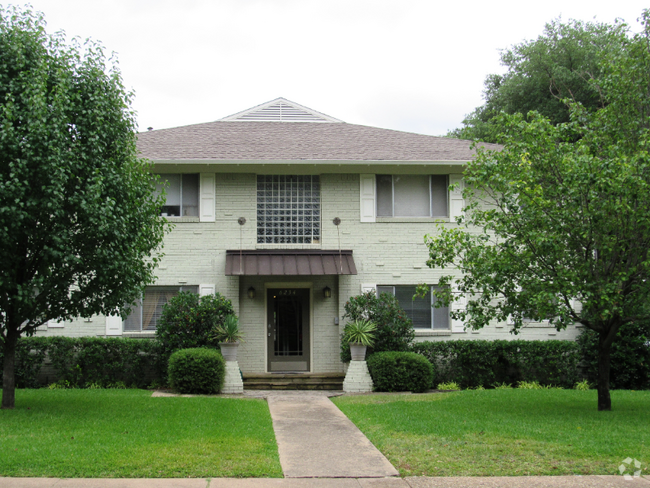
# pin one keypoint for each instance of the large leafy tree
(79, 225)
(557, 225)
(541, 73)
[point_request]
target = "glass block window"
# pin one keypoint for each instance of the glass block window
(288, 209)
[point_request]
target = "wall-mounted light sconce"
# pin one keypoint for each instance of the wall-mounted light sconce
(251, 293)
(327, 292)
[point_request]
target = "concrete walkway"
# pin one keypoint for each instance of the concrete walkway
(411, 482)
(316, 440)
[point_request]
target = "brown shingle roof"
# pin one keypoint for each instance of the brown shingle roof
(226, 140)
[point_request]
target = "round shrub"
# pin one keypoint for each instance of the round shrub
(188, 320)
(400, 371)
(394, 330)
(196, 370)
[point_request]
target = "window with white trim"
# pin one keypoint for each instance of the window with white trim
(146, 313)
(412, 195)
(288, 209)
(181, 193)
(420, 310)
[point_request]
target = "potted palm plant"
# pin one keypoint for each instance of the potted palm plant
(229, 336)
(360, 334)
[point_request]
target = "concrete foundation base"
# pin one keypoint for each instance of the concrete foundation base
(357, 378)
(232, 383)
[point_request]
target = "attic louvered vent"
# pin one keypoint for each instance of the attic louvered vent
(280, 110)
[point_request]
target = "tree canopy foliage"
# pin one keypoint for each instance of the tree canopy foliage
(557, 223)
(541, 73)
(79, 225)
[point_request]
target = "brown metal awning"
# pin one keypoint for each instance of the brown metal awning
(287, 262)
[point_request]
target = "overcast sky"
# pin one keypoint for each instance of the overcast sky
(412, 65)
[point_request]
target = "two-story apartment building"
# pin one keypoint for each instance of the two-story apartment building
(289, 212)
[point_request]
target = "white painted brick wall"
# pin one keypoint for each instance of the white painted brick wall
(390, 253)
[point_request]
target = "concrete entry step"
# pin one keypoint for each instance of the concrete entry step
(293, 381)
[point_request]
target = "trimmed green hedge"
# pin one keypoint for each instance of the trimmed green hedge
(85, 361)
(400, 371)
(485, 363)
(630, 356)
(30, 354)
(196, 370)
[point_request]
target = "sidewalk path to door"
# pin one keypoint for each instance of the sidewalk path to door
(316, 440)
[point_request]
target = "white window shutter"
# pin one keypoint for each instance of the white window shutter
(367, 195)
(457, 326)
(206, 290)
(368, 287)
(51, 324)
(113, 325)
(207, 210)
(456, 202)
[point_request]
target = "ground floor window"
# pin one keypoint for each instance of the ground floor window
(420, 310)
(147, 311)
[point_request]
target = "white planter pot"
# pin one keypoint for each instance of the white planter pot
(357, 351)
(229, 350)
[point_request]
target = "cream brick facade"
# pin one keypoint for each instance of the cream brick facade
(386, 251)
(390, 252)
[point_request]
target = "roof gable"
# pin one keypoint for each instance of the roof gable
(280, 110)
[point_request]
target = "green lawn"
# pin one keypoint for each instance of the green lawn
(126, 433)
(505, 432)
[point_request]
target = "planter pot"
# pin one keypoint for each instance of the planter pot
(357, 351)
(229, 350)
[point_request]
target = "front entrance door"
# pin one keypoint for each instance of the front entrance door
(288, 329)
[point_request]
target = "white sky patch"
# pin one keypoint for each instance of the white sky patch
(412, 65)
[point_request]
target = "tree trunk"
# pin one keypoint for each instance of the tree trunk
(8, 376)
(604, 348)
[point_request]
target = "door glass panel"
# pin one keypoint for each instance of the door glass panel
(288, 315)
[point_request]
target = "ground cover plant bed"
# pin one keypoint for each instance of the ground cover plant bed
(505, 432)
(127, 433)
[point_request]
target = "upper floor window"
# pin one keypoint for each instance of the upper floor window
(182, 195)
(145, 315)
(420, 310)
(288, 209)
(412, 195)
